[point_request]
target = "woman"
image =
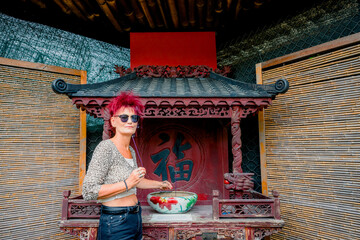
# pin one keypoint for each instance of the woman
(113, 175)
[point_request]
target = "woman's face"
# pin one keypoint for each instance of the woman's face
(124, 128)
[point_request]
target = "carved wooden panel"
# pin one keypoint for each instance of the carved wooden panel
(190, 153)
(155, 233)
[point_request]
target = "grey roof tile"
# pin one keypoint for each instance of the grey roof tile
(213, 86)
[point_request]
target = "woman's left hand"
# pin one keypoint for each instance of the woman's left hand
(165, 185)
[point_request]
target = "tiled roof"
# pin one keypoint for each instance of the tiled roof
(213, 86)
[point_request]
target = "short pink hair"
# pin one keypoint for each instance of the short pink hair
(126, 99)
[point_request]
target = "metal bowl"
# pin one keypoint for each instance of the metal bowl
(172, 202)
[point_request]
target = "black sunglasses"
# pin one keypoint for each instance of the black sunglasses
(125, 118)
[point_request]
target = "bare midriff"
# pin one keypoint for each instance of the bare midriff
(122, 202)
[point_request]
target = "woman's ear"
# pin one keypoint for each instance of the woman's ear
(112, 121)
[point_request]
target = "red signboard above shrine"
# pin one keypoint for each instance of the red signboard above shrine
(173, 49)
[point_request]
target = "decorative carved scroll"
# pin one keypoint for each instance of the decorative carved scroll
(82, 233)
(187, 112)
(122, 71)
(260, 233)
(187, 233)
(155, 233)
(238, 234)
(236, 140)
(94, 111)
(212, 107)
(248, 111)
(180, 71)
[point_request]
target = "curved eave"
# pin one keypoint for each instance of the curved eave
(212, 87)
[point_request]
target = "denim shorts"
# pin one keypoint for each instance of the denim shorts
(120, 223)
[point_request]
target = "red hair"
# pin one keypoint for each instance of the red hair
(126, 99)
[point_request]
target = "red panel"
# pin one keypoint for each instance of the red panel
(172, 49)
(191, 154)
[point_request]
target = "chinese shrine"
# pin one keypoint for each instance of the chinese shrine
(189, 131)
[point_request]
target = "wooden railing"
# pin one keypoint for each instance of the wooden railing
(78, 208)
(249, 204)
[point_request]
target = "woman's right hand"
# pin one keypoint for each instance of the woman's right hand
(135, 177)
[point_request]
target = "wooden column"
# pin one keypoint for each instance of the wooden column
(261, 124)
(82, 160)
(236, 139)
(107, 125)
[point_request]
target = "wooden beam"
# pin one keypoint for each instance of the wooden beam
(228, 4)
(92, 12)
(162, 13)
(210, 13)
(63, 7)
(173, 13)
(38, 66)
(87, 11)
(129, 13)
(138, 13)
(182, 12)
(200, 9)
(237, 9)
(155, 13)
(109, 14)
(219, 10)
(118, 15)
(40, 3)
(74, 9)
(146, 11)
(192, 19)
(258, 3)
(325, 47)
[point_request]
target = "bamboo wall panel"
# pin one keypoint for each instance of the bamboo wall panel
(312, 136)
(39, 153)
